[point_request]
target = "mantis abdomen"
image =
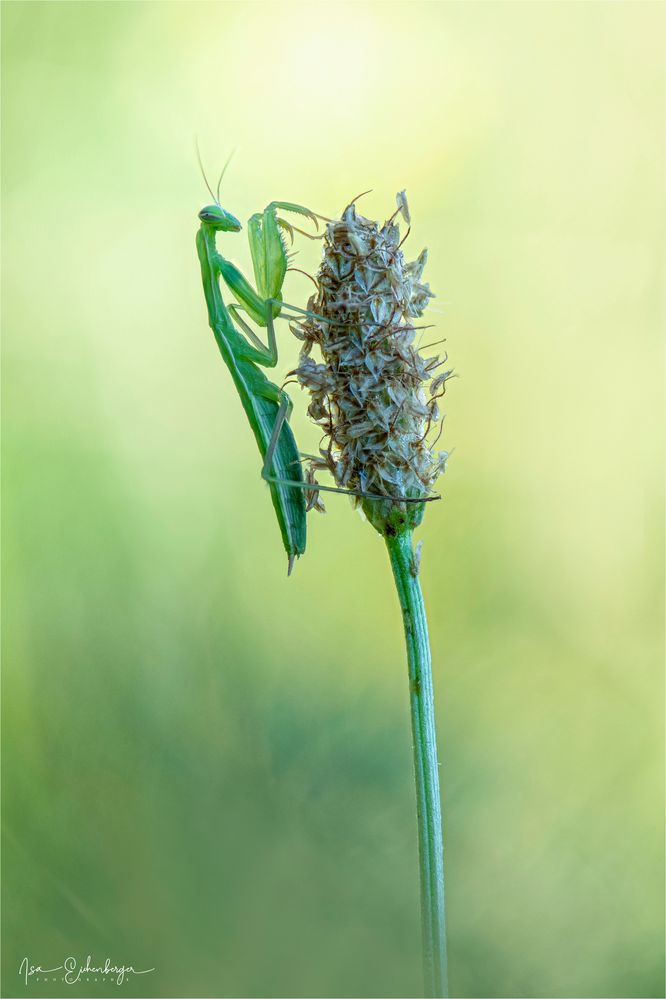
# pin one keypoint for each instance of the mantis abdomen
(260, 398)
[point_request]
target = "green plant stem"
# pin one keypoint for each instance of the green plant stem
(426, 773)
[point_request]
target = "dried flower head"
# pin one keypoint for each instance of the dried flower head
(373, 394)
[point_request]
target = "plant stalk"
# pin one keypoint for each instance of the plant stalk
(426, 772)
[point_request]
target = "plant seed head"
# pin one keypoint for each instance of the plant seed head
(373, 394)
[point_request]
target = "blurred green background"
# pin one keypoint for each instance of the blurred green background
(207, 767)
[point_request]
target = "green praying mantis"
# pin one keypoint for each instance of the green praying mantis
(267, 406)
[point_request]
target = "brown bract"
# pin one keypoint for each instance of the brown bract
(373, 394)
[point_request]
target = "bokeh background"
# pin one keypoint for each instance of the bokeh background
(207, 767)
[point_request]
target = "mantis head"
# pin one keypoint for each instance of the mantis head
(221, 221)
(214, 215)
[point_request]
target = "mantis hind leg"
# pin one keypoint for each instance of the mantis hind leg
(283, 414)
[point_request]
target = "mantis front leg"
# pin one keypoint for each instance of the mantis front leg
(269, 262)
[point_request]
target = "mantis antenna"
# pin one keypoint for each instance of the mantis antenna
(203, 172)
(224, 169)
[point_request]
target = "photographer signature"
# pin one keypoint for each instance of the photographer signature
(73, 971)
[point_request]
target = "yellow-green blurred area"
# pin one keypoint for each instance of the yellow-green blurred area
(207, 766)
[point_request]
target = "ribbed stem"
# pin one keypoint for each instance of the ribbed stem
(426, 773)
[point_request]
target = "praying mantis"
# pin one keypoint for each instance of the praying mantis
(267, 406)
